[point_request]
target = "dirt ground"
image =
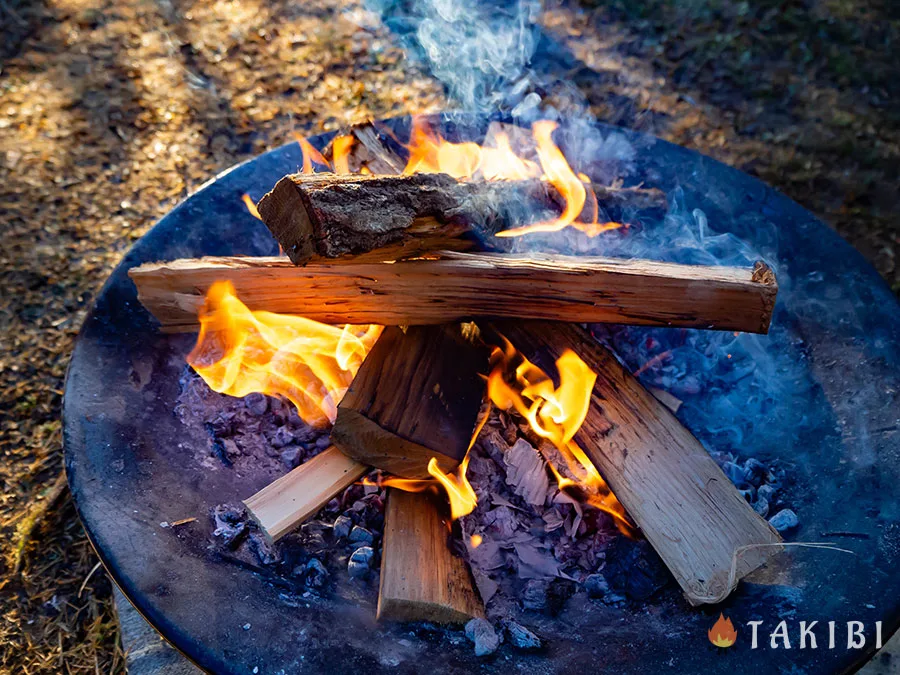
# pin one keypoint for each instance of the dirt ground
(113, 112)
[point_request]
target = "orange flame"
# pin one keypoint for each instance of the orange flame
(555, 413)
(459, 491)
(310, 155)
(239, 352)
(430, 153)
(722, 634)
(251, 207)
(341, 153)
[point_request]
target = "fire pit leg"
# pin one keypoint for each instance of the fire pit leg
(421, 579)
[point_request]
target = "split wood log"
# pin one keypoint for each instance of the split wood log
(282, 505)
(463, 285)
(371, 151)
(332, 215)
(699, 524)
(416, 396)
(421, 579)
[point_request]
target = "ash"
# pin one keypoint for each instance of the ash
(530, 547)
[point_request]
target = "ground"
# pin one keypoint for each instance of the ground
(113, 112)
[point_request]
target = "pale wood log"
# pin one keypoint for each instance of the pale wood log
(463, 285)
(285, 503)
(414, 398)
(702, 528)
(421, 579)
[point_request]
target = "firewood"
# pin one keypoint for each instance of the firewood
(702, 528)
(463, 285)
(371, 150)
(421, 579)
(331, 215)
(282, 505)
(416, 396)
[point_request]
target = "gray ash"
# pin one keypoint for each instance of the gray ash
(538, 545)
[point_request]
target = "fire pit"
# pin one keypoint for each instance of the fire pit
(818, 395)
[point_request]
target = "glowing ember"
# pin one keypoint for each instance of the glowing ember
(239, 352)
(555, 413)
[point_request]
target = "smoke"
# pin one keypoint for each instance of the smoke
(769, 396)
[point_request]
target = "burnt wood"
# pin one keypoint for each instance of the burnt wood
(699, 524)
(416, 396)
(332, 215)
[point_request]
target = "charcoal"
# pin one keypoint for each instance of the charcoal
(534, 594)
(360, 535)
(483, 635)
(766, 492)
(283, 436)
(784, 520)
(291, 456)
(323, 442)
(231, 528)
(522, 638)
(256, 403)
(221, 452)
(559, 591)
(735, 473)
(755, 471)
(316, 574)
(761, 506)
(596, 585)
(634, 568)
(341, 527)
(748, 493)
(360, 562)
(221, 425)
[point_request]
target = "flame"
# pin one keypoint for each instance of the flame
(239, 352)
(405, 484)
(459, 490)
(310, 155)
(341, 153)
(556, 414)
(251, 206)
(430, 153)
(722, 634)
(475, 540)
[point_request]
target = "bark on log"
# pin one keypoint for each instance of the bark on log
(702, 528)
(421, 579)
(332, 215)
(285, 503)
(464, 285)
(416, 396)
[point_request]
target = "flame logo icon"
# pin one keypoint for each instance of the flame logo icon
(722, 634)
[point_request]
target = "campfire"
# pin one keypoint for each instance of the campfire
(411, 323)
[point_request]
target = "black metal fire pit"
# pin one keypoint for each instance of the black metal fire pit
(822, 400)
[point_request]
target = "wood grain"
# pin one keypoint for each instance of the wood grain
(331, 215)
(285, 503)
(416, 396)
(421, 579)
(689, 511)
(463, 285)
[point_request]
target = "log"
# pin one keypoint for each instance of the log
(463, 285)
(416, 396)
(285, 503)
(331, 215)
(421, 579)
(372, 150)
(673, 490)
